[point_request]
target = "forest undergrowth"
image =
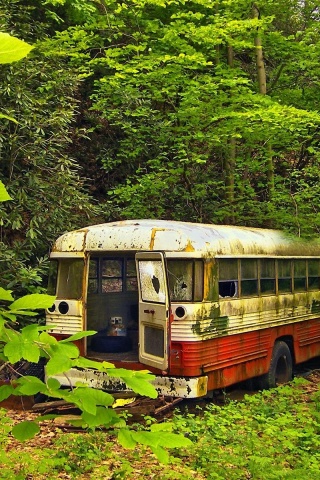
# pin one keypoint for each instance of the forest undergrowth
(267, 435)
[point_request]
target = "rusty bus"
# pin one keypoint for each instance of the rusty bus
(201, 306)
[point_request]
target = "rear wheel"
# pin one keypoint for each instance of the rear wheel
(280, 370)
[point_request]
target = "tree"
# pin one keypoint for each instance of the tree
(179, 128)
(36, 162)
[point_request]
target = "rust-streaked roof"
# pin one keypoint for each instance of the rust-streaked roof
(174, 236)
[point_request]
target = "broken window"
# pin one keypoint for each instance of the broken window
(185, 280)
(152, 281)
(228, 278)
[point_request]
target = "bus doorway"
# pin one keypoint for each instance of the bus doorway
(128, 306)
(112, 308)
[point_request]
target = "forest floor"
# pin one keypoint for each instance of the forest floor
(79, 455)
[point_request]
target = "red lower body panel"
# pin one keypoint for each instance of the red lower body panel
(235, 358)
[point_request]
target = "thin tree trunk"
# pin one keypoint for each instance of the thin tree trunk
(261, 71)
(262, 85)
(230, 160)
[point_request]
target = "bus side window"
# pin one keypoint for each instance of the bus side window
(228, 278)
(249, 278)
(284, 276)
(300, 278)
(267, 276)
(313, 275)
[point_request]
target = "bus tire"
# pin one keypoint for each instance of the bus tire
(280, 370)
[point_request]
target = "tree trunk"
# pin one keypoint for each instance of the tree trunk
(262, 84)
(261, 71)
(230, 160)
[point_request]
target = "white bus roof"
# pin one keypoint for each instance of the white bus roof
(200, 240)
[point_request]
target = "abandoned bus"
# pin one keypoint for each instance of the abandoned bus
(200, 306)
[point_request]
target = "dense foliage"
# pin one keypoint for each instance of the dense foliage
(192, 110)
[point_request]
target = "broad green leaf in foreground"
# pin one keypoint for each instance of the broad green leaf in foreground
(33, 301)
(12, 49)
(21, 348)
(4, 195)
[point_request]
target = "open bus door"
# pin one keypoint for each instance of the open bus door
(154, 309)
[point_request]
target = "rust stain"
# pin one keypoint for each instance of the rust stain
(153, 235)
(189, 247)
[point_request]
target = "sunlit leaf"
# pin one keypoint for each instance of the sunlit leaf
(78, 336)
(5, 294)
(58, 364)
(33, 301)
(161, 454)
(4, 195)
(12, 49)
(125, 438)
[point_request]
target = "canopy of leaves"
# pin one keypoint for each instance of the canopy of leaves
(152, 109)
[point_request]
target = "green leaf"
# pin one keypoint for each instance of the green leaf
(5, 294)
(141, 386)
(90, 398)
(125, 438)
(53, 384)
(15, 121)
(21, 348)
(25, 430)
(44, 337)
(4, 196)
(33, 301)
(78, 336)
(161, 427)
(58, 364)
(103, 416)
(30, 332)
(29, 385)
(9, 316)
(87, 363)
(12, 49)
(6, 391)
(65, 349)
(168, 440)
(161, 454)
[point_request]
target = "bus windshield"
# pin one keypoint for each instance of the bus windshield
(66, 278)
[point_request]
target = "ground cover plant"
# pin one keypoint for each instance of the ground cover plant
(268, 435)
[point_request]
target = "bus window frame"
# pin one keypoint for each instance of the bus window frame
(124, 274)
(194, 297)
